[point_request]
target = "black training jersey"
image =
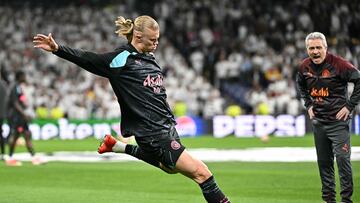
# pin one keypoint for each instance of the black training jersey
(324, 86)
(137, 81)
(16, 96)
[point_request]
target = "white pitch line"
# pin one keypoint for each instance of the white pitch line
(269, 154)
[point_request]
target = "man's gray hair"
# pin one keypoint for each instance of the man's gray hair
(316, 35)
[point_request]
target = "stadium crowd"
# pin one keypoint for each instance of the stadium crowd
(214, 53)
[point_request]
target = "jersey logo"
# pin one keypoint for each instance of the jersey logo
(319, 94)
(325, 73)
(138, 62)
(175, 145)
(322, 92)
(154, 82)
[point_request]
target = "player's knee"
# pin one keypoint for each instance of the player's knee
(342, 154)
(201, 173)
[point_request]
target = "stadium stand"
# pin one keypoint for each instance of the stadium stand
(213, 53)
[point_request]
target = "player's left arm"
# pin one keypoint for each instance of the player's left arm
(352, 74)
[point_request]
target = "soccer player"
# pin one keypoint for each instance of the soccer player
(322, 80)
(18, 120)
(137, 81)
(3, 94)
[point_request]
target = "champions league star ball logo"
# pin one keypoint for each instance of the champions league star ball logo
(186, 126)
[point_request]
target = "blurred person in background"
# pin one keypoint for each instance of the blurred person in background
(137, 81)
(3, 96)
(322, 80)
(19, 120)
(233, 110)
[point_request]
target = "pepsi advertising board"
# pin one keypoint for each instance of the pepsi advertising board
(259, 125)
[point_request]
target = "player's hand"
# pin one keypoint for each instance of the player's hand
(46, 43)
(343, 114)
(311, 113)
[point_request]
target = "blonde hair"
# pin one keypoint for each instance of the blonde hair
(316, 35)
(126, 27)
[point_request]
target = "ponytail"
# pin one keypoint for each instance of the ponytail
(125, 28)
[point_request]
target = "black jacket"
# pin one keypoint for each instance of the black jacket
(137, 81)
(324, 86)
(16, 95)
(3, 97)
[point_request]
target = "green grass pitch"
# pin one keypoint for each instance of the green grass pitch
(137, 182)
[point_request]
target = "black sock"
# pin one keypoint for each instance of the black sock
(136, 152)
(212, 192)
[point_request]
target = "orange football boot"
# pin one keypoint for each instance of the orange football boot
(107, 144)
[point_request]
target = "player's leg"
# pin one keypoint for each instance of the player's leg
(110, 144)
(340, 136)
(325, 160)
(30, 147)
(174, 158)
(199, 172)
(167, 153)
(27, 136)
(28, 142)
(13, 137)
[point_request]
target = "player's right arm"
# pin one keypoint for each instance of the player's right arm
(304, 93)
(92, 62)
(303, 90)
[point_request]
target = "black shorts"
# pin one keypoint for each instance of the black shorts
(18, 125)
(165, 148)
